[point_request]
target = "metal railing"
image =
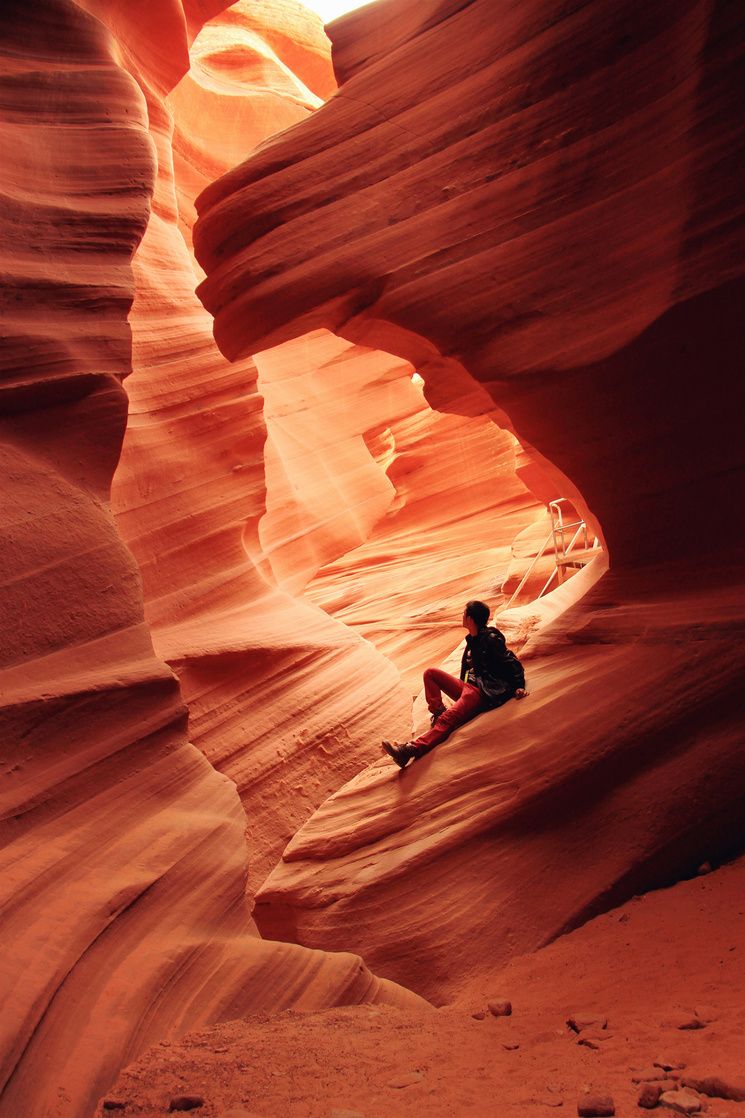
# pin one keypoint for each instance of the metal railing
(559, 529)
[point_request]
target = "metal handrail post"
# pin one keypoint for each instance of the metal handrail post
(530, 569)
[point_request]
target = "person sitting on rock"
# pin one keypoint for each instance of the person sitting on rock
(489, 675)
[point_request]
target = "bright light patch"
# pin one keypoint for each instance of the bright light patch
(330, 9)
(417, 379)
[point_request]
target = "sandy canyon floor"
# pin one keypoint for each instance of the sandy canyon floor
(668, 959)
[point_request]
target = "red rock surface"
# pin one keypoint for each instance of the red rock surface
(654, 957)
(388, 514)
(256, 666)
(124, 855)
(468, 237)
(233, 490)
(534, 816)
(499, 156)
(447, 206)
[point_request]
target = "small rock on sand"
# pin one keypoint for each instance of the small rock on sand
(500, 1008)
(706, 1013)
(649, 1096)
(683, 1021)
(683, 1100)
(593, 1038)
(669, 1065)
(717, 1086)
(596, 1106)
(186, 1102)
(580, 1021)
(656, 1075)
(479, 1015)
(114, 1104)
(407, 1080)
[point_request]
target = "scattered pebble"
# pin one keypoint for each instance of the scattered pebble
(669, 1065)
(510, 1047)
(407, 1080)
(717, 1086)
(649, 1096)
(593, 1038)
(479, 1015)
(704, 868)
(500, 1008)
(706, 1013)
(683, 1021)
(596, 1106)
(185, 1102)
(114, 1104)
(683, 1100)
(580, 1021)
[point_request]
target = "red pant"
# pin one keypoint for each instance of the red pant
(468, 703)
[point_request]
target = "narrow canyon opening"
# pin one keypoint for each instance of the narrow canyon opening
(310, 321)
(322, 476)
(389, 515)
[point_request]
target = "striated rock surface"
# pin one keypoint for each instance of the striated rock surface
(631, 966)
(448, 205)
(259, 670)
(389, 514)
(537, 815)
(500, 149)
(237, 483)
(450, 213)
(123, 915)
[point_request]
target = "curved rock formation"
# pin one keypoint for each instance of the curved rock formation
(615, 775)
(259, 670)
(448, 205)
(467, 237)
(123, 850)
(389, 514)
(641, 968)
(220, 512)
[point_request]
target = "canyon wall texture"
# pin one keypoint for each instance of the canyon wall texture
(258, 669)
(536, 206)
(124, 862)
(539, 206)
(238, 482)
(453, 213)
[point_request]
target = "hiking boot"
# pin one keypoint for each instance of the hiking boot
(401, 752)
(433, 717)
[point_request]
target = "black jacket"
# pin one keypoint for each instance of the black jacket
(495, 670)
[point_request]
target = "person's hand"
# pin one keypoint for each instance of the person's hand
(521, 693)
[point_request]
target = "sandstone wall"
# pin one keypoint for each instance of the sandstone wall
(539, 206)
(123, 849)
(532, 209)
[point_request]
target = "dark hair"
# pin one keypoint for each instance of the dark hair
(479, 612)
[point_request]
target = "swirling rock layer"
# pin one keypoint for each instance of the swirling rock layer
(123, 914)
(283, 700)
(449, 204)
(537, 207)
(620, 771)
